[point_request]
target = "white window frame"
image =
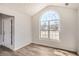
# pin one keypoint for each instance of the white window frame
(47, 30)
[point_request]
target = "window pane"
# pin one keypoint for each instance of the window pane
(44, 26)
(54, 25)
(44, 34)
(54, 35)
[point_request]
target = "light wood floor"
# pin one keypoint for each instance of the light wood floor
(35, 50)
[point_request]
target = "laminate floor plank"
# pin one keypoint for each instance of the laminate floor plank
(35, 50)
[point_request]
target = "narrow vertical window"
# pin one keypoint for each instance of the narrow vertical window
(50, 25)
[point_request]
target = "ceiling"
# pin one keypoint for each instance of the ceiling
(33, 8)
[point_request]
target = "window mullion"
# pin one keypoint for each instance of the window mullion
(48, 29)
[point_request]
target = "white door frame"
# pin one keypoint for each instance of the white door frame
(12, 32)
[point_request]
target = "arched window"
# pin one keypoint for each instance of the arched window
(49, 25)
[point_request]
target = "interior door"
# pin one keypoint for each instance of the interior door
(7, 32)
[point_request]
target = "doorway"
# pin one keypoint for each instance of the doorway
(7, 30)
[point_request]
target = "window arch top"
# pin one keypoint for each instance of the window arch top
(50, 15)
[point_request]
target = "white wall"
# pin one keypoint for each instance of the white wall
(22, 27)
(67, 32)
(0, 30)
(77, 31)
(22, 30)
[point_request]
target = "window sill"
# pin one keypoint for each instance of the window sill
(54, 40)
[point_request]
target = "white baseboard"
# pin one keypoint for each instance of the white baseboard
(54, 46)
(21, 46)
